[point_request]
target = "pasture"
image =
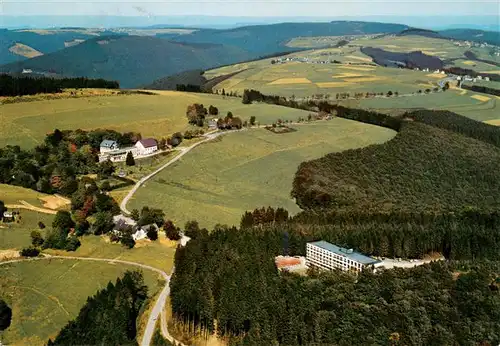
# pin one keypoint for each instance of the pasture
(26, 123)
(158, 254)
(10, 194)
(44, 295)
(480, 107)
(16, 235)
(220, 180)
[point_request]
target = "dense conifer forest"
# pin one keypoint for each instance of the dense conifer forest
(230, 277)
(18, 86)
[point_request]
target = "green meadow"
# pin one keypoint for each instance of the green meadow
(218, 181)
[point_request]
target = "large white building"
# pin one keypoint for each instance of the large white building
(110, 150)
(324, 255)
(146, 146)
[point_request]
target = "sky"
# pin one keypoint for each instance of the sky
(250, 8)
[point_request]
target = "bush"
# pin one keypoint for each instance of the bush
(41, 225)
(152, 234)
(127, 241)
(36, 239)
(72, 244)
(29, 252)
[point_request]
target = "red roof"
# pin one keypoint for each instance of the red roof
(148, 142)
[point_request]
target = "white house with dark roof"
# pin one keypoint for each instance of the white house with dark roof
(146, 146)
(108, 145)
(324, 255)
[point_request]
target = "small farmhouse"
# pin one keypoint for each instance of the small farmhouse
(8, 216)
(212, 124)
(146, 146)
(108, 145)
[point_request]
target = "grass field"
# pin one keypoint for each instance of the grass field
(218, 181)
(158, 254)
(10, 194)
(480, 107)
(27, 123)
(17, 235)
(45, 295)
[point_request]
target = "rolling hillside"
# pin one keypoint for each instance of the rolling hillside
(132, 60)
(491, 37)
(267, 39)
(43, 43)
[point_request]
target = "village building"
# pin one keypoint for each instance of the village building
(8, 216)
(146, 146)
(212, 124)
(324, 255)
(108, 145)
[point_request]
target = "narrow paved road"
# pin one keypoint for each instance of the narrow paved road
(155, 312)
(183, 151)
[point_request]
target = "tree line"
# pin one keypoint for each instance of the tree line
(19, 86)
(482, 89)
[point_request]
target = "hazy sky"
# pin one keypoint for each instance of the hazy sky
(253, 8)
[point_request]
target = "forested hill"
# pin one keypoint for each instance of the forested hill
(491, 37)
(131, 60)
(444, 166)
(267, 39)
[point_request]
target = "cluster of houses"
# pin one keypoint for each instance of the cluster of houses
(303, 59)
(473, 79)
(110, 150)
(138, 232)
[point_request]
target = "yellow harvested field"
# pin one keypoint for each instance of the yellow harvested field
(230, 83)
(348, 74)
(390, 46)
(493, 72)
(432, 53)
(282, 81)
(24, 50)
(356, 68)
(359, 58)
(364, 79)
(469, 62)
(55, 202)
(436, 75)
(333, 84)
(481, 98)
(426, 85)
(463, 92)
(495, 122)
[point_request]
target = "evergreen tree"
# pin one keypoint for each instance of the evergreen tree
(129, 160)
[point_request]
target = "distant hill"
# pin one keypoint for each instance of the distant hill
(267, 39)
(131, 60)
(420, 32)
(491, 37)
(41, 43)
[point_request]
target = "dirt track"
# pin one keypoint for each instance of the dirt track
(26, 205)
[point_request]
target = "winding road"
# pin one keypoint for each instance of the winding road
(158, 308)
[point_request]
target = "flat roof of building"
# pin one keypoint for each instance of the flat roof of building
(355, 256)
